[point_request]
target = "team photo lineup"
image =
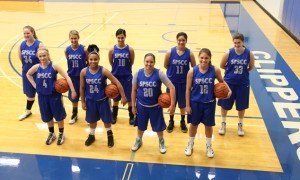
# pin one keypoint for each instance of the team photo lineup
(194, 84)
(193, 89)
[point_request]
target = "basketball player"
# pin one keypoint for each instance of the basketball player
(76, 59)
(93, 99)
(146, 88)
(237, 62)
(200, 99)
(177, 62)
(50, 102)
(27, 55)
(121, 58)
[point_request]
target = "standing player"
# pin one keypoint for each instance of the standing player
(93, 99)
(237, 62)
(76, 58)
(50, 102)
(200, 99)
(177, 62)
(121, 58)
(146, 88)
(27, 55)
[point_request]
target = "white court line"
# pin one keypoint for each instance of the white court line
(13, 77)
(126, 169)
(89, 36)
(9, 78)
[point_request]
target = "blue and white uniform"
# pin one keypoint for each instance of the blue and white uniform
(237, 78)
(122, 70)
(50, 102)
(76, 59)
(177, 70)
(95, 98)
(202, 100)
(148, 91)
(29, 58)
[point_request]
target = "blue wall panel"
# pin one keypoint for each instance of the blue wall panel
(291, 15)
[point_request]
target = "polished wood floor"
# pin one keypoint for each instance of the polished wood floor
(148, 30)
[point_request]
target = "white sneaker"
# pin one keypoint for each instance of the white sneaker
(51, 137)
(162, 147)
(209, 151)
(240, 129)
(189, 149)
(138, 143)
(61, 139)
(222, 129)
(25, 115)
(73, 119)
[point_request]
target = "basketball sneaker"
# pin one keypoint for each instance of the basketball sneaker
(61, 139)
(131, 121)
(170, 126)
(115, 114)
(162, 147)
(209, 151)
(51, 138)
(138, 143)
(189, 149)
(25, 115)
(131, 116)
(222, 129)
(110, 139)
(240, 129)
(183, 126)
(90, 140)
(73, 119)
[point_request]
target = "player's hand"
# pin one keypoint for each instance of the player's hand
(83, 105)
(123, 100)
(188, 109)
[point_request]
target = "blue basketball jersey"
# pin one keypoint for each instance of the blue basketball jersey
(121, 61)
(28, 54)
(95, 85)
(236, 70)
(149, 88)
(45, 80)
(203, 85)
(178, 66)
(76, 59)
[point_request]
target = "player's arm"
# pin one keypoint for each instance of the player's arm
(19, 53)
(193, 59)
(64, 74)
(224, 60)
(30, 73)
(132, 55)
(41, 45)
(251, 63)
(66, 55)
(115, 81)
(133, 93)
(166, 81)
(110, 56)
(189, 79)
(167, 59)
(86, 55)
(221, 80)
(82, 88)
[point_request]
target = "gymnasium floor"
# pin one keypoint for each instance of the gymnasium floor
(269, 150)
